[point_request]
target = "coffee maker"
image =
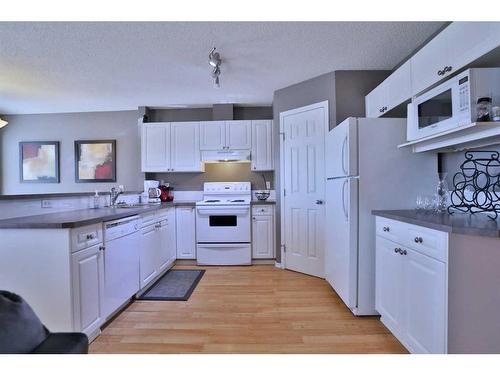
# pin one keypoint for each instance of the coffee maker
(152, 191)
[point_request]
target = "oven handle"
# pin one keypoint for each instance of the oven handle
(234, 244)
(222, 211)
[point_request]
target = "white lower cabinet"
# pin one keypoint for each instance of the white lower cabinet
(87, 272)
(411, 287)
(388, 291)
(263, 232)
(167, 240)
(424, 296)
(185, 222)
(150, 241)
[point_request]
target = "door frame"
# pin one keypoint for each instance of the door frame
(323, 104)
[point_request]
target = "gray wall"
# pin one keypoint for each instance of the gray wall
(66, 128)
(345, 92)
(215, 172)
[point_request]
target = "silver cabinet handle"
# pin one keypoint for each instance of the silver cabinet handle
(397, 250)
(90, 236)
(385, 229)
(403, 252)
(318, 201)
(418, 240)
(102, 248)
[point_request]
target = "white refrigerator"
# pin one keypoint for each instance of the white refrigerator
(366, 171)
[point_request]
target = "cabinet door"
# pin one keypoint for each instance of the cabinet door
(212, 135)
(398, 87)
(388, 283)
(186, 235)
(185, 147)
(172, 234)
(375, 101)
(87, 270)
(155, 147)
(262, 145)
(262, 236)
(239, 135)
(425, 303)
(149, 258)
(163, 246)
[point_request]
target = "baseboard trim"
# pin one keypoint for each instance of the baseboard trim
(279, 265)
(263, 261)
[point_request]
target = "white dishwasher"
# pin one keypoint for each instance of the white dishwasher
(121, 262)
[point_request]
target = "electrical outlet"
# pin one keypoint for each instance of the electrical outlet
(268, 185)
(46, 203)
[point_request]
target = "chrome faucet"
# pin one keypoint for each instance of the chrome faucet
(114, 194)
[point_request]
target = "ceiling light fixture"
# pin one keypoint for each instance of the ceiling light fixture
(215, 62)
(3, 123)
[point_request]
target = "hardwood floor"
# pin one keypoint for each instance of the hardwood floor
(257, 309)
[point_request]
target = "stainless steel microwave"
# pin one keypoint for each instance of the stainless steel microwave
(452, 104)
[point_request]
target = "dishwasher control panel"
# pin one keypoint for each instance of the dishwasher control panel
(119, 228)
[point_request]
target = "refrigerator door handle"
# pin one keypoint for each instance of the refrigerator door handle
(344, 144)
(343, 201)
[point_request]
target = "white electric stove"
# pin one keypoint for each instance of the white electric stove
(223, 224)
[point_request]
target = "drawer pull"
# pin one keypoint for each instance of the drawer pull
(397, 250)
(385, 229)
(403, 252)
(90, 236)
(418, 240)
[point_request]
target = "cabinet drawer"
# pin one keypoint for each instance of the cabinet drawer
(162, 214)
(262, 210)
(86, 236)
(427, 241)
(389, 229)
(148, 218)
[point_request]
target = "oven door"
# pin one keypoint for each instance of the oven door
(438, 110)
(223, 224)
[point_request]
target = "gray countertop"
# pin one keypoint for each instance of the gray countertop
(78, 218)
(474, 225)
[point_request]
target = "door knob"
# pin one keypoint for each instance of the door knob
(319, 201)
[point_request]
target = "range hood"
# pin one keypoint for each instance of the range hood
(225, 156)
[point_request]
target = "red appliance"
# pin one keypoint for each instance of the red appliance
(167, 194)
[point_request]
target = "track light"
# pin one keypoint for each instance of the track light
(215, 61)
(3, 123)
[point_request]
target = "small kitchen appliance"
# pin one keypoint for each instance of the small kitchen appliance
(223, 224)
(152, 191)
(167, 194)
(452, 104)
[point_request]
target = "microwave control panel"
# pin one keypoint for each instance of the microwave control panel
(464, 95)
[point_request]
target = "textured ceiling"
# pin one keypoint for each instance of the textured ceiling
(73, 67)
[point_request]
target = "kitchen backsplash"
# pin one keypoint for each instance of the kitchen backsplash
(215, 172)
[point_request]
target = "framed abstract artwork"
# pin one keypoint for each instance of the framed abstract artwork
(95, 161)
(39, 162)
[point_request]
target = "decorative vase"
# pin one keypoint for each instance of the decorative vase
(442, 193)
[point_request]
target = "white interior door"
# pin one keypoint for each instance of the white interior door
(304, 174)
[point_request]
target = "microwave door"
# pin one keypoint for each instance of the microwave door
(435, 110)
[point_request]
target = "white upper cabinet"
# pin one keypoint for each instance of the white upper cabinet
(185, 147)
(155, 147)
(171, 147)
(212, 135)
(239, 135)
(455, 47)
(393, 91)
(262, 145)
